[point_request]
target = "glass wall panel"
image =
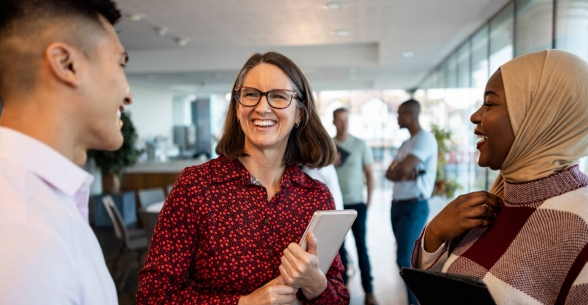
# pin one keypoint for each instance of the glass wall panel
(480, 64)
(451, 71)
(501, 37)
(572, 34)
(572, 27)
(534, 26)
(463, 65)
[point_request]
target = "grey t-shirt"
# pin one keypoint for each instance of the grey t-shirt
(423, 145)
(355, 154)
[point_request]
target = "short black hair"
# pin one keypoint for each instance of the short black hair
(342, 109)
(414, 105)
(23, 24)
(12, 11)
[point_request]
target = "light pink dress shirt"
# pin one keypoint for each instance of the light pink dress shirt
(48, 252)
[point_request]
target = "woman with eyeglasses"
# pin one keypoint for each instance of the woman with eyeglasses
(231, 225)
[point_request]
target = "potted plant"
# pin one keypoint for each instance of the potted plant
(443, 186)
(112, 163)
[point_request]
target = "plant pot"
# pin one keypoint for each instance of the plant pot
(111, 183)
(440, 188)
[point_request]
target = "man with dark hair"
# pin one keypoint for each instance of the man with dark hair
(62, 85)
(354, 166)
(413, 172)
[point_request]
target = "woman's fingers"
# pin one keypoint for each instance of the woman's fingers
(285, 275)
(295, 263)
(478, 223)
(479, 211)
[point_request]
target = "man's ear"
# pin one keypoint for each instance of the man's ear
(64, 62)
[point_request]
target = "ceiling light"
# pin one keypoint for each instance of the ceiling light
(407, 54)
(161, 31)
(136, 16)
(342, 32)
(182, 41)
(334, 5)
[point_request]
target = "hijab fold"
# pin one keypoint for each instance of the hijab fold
(547, 101)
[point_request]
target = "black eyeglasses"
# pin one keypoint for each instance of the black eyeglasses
(276, 98)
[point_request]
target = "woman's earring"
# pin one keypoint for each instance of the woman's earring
(296, 125)
(238, 121)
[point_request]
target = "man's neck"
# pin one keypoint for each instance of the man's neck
(413, 130)
(45, 125)
(342, 136)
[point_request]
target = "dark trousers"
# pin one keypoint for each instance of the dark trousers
(358, 229)
(408, 221)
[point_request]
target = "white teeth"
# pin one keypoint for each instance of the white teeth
(118, 113)
(264, 123)
(479, 136)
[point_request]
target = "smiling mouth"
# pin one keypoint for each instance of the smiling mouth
(264, 123)
(482, 139)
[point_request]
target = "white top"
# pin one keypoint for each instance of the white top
(423, 145)
(328, 176)
(48, 252)
(426, 260)
(155, 207)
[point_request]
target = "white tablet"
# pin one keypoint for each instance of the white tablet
(330, 229)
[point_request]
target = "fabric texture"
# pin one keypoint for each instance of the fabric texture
(547, 101)
(48, 252)
(424, 146)
(218, 229)
(537, 250)
(350, 172)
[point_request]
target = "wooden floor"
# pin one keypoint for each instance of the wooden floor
(388, 286)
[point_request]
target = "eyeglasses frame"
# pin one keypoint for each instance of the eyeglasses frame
(238, 89)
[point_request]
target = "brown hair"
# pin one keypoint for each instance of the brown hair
(308, 144)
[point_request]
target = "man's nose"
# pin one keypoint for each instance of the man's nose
(128, 98)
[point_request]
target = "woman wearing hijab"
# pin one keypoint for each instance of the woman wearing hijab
(232, 224)
(527, 238)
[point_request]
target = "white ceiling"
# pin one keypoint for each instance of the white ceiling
(223, 33)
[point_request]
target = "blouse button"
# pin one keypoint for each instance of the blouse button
(266, 221)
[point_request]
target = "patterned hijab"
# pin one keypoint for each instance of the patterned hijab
(547, 100)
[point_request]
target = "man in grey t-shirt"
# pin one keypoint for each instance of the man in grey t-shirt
(413, 171)
(354, 162)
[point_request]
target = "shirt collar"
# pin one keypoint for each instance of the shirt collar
(292, 174)
(43, 161)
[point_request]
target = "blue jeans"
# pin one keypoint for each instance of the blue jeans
(358, 229)
(408, 221)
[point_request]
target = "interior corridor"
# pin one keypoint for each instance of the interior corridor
(388, 285)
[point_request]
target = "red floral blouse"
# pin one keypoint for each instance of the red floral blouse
(218, 229)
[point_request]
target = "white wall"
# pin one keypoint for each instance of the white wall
(152, 112)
